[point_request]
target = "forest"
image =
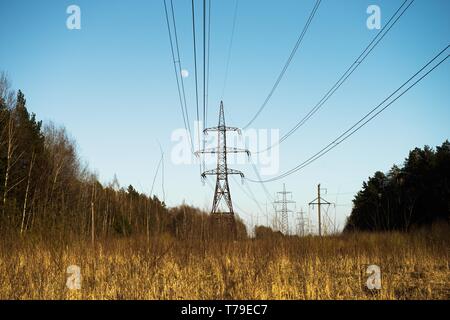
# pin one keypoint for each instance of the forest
(408, 197)
(45, 187)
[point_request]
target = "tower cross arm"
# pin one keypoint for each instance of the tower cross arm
(206, 151)
(284, 201)
(233, 171)
(222, 128)
(322, 201)
(227, 150)
(212, 172)
(237, 150)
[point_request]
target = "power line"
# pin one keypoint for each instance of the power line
(269, 198)
(230, 46)
(196, 76)
(351, 69)
(249, 194)
(253, 197)
(369, 48)
(204, 61)
(177, 73)
(179, 63)
(206, 90)
(364, 120)
(195, 58)
(208, 65)
(288, 62)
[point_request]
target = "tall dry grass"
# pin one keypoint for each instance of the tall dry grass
(414, 266)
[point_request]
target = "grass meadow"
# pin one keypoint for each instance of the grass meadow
(413, 266)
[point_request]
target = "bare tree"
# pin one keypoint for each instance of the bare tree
(11, 158)
(33, 157)
(7, 95)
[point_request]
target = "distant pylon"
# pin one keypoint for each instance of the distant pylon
(284, 210)
(301, 223)
(222, 189)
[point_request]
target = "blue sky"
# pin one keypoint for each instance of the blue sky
(111, 84)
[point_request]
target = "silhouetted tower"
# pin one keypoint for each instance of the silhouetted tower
(222, 189)
(284, 209)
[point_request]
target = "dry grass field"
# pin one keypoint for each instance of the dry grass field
(414, 266)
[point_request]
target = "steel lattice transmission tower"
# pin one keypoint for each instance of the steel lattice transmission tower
(222, 189)
(301, 223)
(284, 209)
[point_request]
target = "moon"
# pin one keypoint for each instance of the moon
(184, 73)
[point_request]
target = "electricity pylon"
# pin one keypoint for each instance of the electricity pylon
(319, 201)
(284, 209)
(222, 189)
(301, 223)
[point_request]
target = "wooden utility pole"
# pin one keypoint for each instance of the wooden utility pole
(319, 201)
(318, 210)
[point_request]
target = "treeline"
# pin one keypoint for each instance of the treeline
(416, 195)
(44, 188)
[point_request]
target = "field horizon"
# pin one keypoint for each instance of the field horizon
(413, 265)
